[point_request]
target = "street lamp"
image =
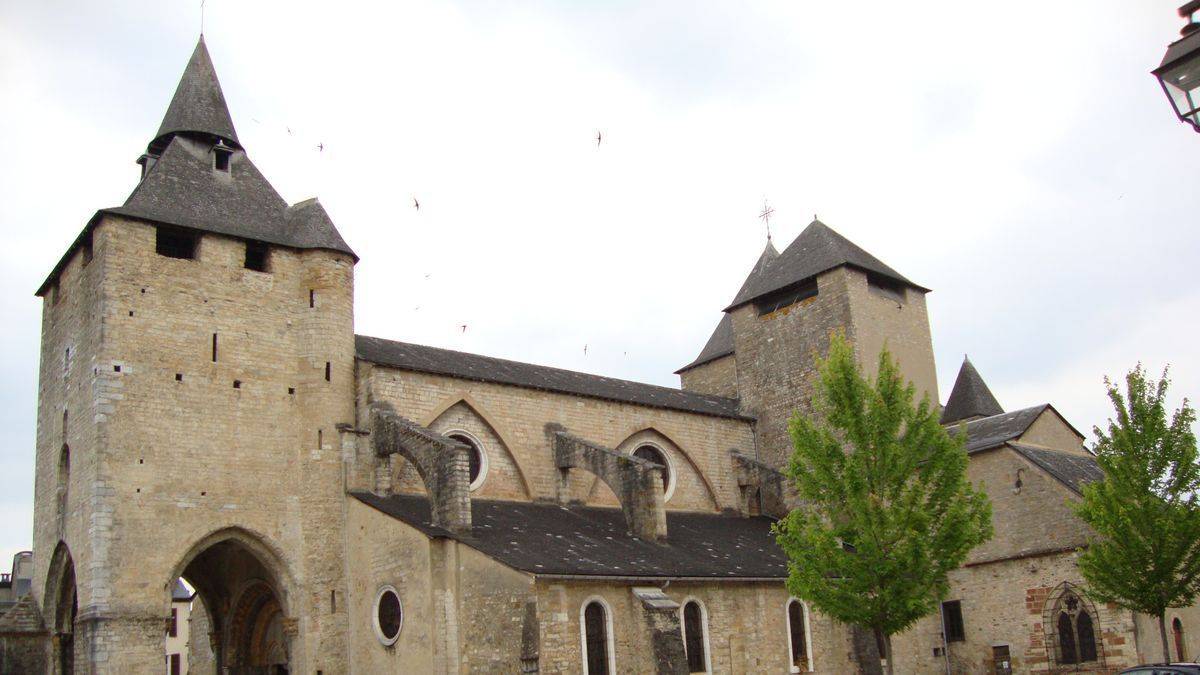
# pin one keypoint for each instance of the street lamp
(1179, 72)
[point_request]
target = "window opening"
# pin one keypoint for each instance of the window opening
(476, 463)
(256, 256)
(1177, 629)
(786, 297)
(595, 622)
(693, 637)
(952, 621)
(1001, 660)
(214, 351)
(1076, 631)
(655, 456)
(327, 371)
(312, 298)
(798, 635)
(175, 243)
(389, 615)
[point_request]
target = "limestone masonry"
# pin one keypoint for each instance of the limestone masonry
(345, 503)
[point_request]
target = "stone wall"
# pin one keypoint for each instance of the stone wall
(717, 377)
(776, 359)
(174, 445)
(514, 419)
(897, 321)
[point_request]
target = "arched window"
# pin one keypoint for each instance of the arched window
(798, 637)
(477, 458)
(1076, 630)
(695, 636)
(596, 629)
(1177, 630)
(655, 455)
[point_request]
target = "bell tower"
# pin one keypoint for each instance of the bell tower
(780, 322)
(197, 356)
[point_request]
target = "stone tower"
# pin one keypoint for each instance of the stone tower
(763, 350)
(197, 355)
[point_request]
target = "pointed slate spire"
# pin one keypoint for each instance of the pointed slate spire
(198, 105)
(970, 398)
(818, 249)
(720, 343)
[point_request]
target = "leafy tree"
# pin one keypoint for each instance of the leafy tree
(1145, 555)
(887, 510)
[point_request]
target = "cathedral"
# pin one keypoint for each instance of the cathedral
(344, 503)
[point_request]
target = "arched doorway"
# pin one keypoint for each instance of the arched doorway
(240, 584)
(62, 605)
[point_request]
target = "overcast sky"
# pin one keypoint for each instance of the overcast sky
(1018, 158)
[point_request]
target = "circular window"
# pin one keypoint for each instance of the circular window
(655, 455)
(477, 458)
(389, 615)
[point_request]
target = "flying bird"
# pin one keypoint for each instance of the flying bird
(585, 350)
(289, 130)
(428, 274)
(463, 327)
(320, 147)
(416, 204)
(598, 137)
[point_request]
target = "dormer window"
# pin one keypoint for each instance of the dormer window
(221, 155)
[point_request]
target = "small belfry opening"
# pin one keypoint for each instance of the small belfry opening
(239, 605)
(62, 609)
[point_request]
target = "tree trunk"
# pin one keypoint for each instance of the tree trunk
(1162, 633)
(887, 652)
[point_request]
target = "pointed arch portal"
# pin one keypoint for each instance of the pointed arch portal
(242, 585)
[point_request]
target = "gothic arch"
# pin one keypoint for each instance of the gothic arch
(1072, 628)
(61, 608)
(243, 582)
(496, 427)
(661, 439)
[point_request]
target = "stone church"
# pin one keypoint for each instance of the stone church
(343, 503)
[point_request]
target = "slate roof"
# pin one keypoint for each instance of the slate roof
(1071, 469)
(180, 592)
(198, 104)
(994, 431)
(818, 249)
(720, 343)
(183, 189)
(423, 359)
(970, 396)
(590, 541)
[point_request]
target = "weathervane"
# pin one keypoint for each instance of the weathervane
(766, 214)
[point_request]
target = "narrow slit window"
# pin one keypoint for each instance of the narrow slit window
(175, 243)
(312, 298)
(327, 371)
(257, 254)
(214, 351)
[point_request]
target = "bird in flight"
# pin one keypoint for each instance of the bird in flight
(416, 204)
(289, 130)
(598, 138)
(585, 350)
(320, 147)
(463, 327)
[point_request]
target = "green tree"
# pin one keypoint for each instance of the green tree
(887, 509)
(1145, 555)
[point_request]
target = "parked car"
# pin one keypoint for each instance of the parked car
(1164, 669)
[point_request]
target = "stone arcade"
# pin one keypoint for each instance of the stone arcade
(344, 503)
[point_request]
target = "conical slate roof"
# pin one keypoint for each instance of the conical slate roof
(720, 343)
(970, 397)
(818, 249)
(198, 105)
